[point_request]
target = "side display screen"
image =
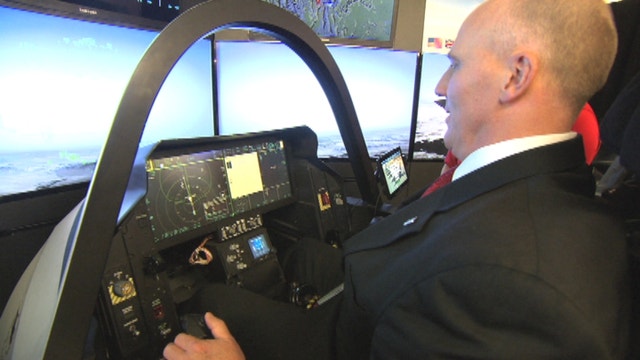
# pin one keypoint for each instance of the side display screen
(394, 174)
(188, 191)
(259, 246)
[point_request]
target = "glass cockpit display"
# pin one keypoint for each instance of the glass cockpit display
(393, 172)
(188, 191)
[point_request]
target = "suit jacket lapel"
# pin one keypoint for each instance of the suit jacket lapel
(412, 218)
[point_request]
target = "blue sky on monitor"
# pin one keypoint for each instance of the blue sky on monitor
(431, 117)
(61, 81)
(266, 85)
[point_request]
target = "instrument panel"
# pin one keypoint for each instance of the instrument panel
(189, 191)
(219, 210)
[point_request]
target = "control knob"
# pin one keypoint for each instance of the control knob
(123, 288)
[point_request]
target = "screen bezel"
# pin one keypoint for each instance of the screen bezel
(85, 13)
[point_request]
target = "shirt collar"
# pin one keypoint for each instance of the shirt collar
(494, 152)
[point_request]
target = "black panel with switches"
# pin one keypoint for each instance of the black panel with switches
(216, 210)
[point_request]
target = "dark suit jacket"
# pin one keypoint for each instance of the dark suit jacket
(513, 261)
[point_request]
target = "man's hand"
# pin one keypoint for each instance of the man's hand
(223, 346)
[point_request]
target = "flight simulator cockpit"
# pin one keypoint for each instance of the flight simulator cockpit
(216, 209)
(162, 221)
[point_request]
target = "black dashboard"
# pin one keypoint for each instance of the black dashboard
(212, 210)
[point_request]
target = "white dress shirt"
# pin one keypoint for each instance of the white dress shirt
(494, 152)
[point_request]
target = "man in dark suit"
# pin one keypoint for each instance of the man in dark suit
(492, 267)
(515, 258)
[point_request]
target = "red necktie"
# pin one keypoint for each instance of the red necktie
(443, 180)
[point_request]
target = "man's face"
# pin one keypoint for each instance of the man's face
(471, 86)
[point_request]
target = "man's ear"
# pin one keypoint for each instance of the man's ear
(522, 69)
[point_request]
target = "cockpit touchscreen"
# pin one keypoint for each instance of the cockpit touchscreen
(188, 191)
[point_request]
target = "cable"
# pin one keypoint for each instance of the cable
(330, 295)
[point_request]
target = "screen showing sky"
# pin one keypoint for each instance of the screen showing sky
(266, 86)
(61, 82)
(431, 117)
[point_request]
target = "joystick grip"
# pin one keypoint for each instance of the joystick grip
(194, 325)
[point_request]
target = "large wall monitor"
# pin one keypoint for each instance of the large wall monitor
(267, 86)
(431, 117)
(141, 14)
(61, 81)
(362, 22)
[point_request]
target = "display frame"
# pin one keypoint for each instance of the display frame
(86, 13)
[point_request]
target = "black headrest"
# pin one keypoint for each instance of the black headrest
(620, 127)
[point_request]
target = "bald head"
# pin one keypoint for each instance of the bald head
(576, 40)
(522, 68)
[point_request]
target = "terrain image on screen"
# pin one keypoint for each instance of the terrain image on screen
(346, 19)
